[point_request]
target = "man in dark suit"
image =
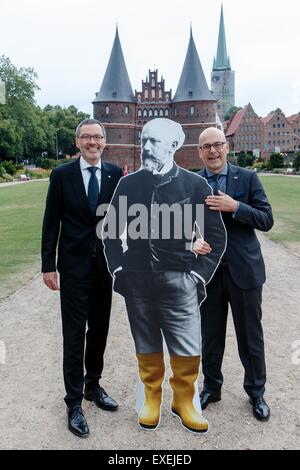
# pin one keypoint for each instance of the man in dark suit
(238, 281)
(75, 191)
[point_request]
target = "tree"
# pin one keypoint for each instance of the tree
(18, 119)
(63, 121)
(231, 112)
(296, 162)
(26, 130)
(245, 159)
(276, 161)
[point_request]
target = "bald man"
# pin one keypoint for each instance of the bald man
(238, 281)
(157, 272)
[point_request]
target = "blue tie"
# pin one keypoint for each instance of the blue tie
(215, 184)
(93, 189)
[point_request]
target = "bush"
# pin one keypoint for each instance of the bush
(9, 167)
(245, 159)
(46, 163)
(259, 166)
(38, 173)
(296, 162)
(276, 161)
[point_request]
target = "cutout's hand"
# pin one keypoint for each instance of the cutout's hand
(201, 247)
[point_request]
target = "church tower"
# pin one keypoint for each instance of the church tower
(193, 106)
(222, 77)
(115, 106)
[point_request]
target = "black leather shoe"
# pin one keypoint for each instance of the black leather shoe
(102, 400)
(77, 422)
(261, 410)
(206, 398)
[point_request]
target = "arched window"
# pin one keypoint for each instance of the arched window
(155, 112)
(106, 109)
(150, 112)
(152, 82)
(140, 113)
(146, 93)
(166, 112)
(145, 113)
(160, 93)
(126, 110)
(161, 112)
(152, 93)
(192, 110)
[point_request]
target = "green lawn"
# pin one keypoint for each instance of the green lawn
(284, 195)
(21, 212)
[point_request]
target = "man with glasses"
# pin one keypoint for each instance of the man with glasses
(75, 191)
(238, 281)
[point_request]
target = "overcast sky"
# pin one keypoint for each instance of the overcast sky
(68, 43)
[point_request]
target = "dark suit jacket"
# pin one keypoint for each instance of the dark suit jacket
(69, 221)
(245, 261)
(153, 253)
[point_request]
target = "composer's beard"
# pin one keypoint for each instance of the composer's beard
(151, 164)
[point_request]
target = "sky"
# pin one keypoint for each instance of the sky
(68, 43)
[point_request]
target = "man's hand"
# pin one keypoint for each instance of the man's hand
(223, 203)
(201, 247)
(50, 279)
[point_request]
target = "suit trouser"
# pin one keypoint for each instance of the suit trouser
(162, 304)
(84, 301)
(247, 315)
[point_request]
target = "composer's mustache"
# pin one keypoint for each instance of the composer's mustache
(150, 163)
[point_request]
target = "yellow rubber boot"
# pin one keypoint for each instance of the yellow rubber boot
(152, 371)
(185, 372)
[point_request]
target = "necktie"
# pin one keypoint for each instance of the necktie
(93, 189)
(215, 184)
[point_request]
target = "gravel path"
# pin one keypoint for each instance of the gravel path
(32, 411)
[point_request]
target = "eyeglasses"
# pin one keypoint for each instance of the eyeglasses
(216, 146)
(97, 137)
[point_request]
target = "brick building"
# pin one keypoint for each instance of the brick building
(124, 113)
(245, 132)
(264, 135)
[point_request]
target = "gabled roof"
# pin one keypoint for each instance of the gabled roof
(116, 85)
(293, 117)
(192, 84)
(222, 61)
(236, 121)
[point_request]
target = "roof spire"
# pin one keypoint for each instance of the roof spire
(192, 84)
(222, 60)
(116, 85)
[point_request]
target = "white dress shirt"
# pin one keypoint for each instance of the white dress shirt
(86, 174)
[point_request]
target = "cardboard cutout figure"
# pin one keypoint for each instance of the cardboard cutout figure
(148, 235)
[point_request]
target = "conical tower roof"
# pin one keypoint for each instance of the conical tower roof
(222, 61)
(116, 85)
(192, 84)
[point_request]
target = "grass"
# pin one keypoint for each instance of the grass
(22, 207)
(21, 212)
(284, 195)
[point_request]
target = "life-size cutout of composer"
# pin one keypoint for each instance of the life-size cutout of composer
(156, 271)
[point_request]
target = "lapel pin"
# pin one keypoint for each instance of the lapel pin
(236, 178)
(108, 176)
